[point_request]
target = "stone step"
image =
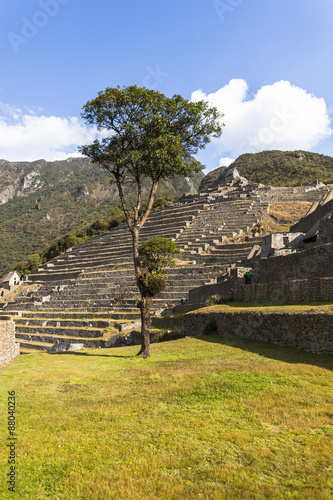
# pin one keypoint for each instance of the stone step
(33, 345)
(69, 307)
(62, 323)
(77, 266)
(54, 339)
(115, 314)
(69, 332)
(45, 343)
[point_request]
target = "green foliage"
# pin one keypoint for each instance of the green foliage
(151, 284)
(162, 201)
(25, 267)
(155, 254)
(65, 242)
(217, 299)
(151, 135)
(213, 300)
(60, 246)
(22, 267)
(285, 168)
(34, 261)
(39, 215)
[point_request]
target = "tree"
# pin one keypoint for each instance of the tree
(155, 254)
(149, 136)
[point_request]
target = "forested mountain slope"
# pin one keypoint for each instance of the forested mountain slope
(285, 168)
(41, 201)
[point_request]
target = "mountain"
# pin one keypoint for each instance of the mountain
(276, 168)
(285, 168)
(212, 180)
(41, 201)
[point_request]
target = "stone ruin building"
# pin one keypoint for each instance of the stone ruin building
(219, 233)
(10, 282)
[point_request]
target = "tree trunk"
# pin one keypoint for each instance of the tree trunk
(145, 302)
(145, 324)
(135, 242)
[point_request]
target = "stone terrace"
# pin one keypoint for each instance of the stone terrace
(69, 297)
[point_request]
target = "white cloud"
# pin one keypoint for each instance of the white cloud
(279, 116)
(25, 136)
(225, 162)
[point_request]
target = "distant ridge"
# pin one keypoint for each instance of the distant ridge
(41, 201)
(276, 168)
(285, 168)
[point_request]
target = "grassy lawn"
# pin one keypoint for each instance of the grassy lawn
(203, 418)
(269, 308)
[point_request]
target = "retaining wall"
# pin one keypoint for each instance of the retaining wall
(315, 262)
(310, 332)
(282, 292)
(8, 347)
(307, 222)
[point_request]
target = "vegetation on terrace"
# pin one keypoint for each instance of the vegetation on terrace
(267, 307)
(217, 418)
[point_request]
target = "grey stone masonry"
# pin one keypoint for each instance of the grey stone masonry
(69, 298)
(280, 292)
(310, 332)
(314, 262)
(307, 222)
(9, 348)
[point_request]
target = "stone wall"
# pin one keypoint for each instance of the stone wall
(310, 332)
(281, 292)
(298, 193)
(326, 230)
(276, 241)
(288, 292)
(8, 347)
(307, 222)
(299, 277)
(315, 262)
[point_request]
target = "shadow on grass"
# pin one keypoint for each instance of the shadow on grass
(267, 350)
(79, 353)
(264, 305)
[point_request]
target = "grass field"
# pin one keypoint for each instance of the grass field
(203, 418)
(268, 308)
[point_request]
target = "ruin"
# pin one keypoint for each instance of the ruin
(219, 233)
(9, 348)
(10, 282)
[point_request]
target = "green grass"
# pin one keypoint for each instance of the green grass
(269, 308)
(203, 418)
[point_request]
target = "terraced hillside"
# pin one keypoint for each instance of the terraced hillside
(69, 298)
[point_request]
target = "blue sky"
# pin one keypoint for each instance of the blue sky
(266, 64)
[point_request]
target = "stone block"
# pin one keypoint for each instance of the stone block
(63, 347)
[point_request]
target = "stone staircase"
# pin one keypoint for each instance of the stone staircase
(38, 330)
(297, 193)
(222, 220)
(69, 298)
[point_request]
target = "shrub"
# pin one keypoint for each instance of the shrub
(213, 300)
(210, 328)
(216, 299)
